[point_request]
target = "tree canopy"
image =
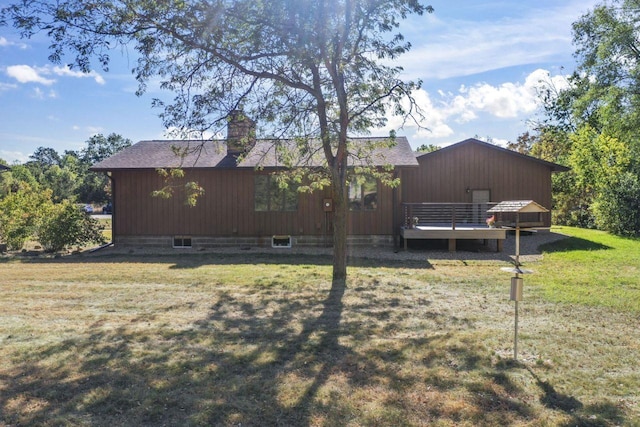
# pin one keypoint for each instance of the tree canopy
(594, 124)
(40, 199)
(308, 69)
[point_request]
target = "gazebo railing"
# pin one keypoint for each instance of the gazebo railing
(445, 214)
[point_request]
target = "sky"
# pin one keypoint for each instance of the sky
(480, 63)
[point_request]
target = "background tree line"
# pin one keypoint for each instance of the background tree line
(593, 125)
(41, 199)
(590, 126)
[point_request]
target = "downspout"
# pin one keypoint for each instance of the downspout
(113, 206)
(395, 196)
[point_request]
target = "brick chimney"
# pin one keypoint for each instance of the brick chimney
(241, 133)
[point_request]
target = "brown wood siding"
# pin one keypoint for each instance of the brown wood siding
(227, 209)
(446, 175)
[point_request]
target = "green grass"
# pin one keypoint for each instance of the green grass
(253, 340)
(593, 268)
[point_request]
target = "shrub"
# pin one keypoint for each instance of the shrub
(617, 207)
(20, 213)
(66, 225)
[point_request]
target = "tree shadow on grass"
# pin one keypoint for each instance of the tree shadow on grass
(195, 259)
(573, 244)
(327, 356)
(600, 414)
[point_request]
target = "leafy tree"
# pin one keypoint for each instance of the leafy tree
(608, 51)
(64, 225)
(597, 159)
(62, 182)
(427, 148)
(601, 165)
(617, 209)
(317, 70)
(99, 147)
(17, 178)
(45, 157)
(550, 143)
(94, 187)
(523, 143)
(600, 111)
(20, 212)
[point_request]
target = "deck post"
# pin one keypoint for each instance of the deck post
(452, 245)
(453, 219)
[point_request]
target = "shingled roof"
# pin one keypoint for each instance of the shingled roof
(518, 206)
(265, 153)
(165, 154)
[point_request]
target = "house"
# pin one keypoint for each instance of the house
(243, 204)
(449, 194)
(476, 172)
(472, 171)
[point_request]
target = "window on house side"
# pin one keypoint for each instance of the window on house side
(182, 241)
(269, 197)
(363, 196)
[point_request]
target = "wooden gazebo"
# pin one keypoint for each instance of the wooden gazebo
(519, 214)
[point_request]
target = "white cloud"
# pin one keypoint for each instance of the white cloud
(67, 72)
(40, 94)
(37, 93)
(27, 74)
(13, 156)
(7, 86)
(507, 101)
(530, 34)
(6, 43)
(94, 130)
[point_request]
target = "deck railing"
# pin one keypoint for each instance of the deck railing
(446, 214)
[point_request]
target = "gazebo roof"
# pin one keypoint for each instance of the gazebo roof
(518, 206)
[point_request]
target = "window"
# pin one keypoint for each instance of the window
(281, 242)
(363, 195)
(181, 241)
(270, 197)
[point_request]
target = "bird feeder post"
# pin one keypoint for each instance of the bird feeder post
(517, 207)
(516, 296)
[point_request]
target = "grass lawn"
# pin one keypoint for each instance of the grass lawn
(254, 340)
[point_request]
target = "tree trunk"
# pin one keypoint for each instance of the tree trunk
(341, 210)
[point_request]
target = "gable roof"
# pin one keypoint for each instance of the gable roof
(519, 206)
(554, 167)
(213, 154)
(4, 168)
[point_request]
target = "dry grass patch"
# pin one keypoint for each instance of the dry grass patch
(218, 340)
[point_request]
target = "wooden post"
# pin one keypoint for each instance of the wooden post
(453, 221)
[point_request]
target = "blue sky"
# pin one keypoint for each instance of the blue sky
(480, 63)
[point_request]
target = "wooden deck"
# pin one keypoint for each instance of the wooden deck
(446, 232)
